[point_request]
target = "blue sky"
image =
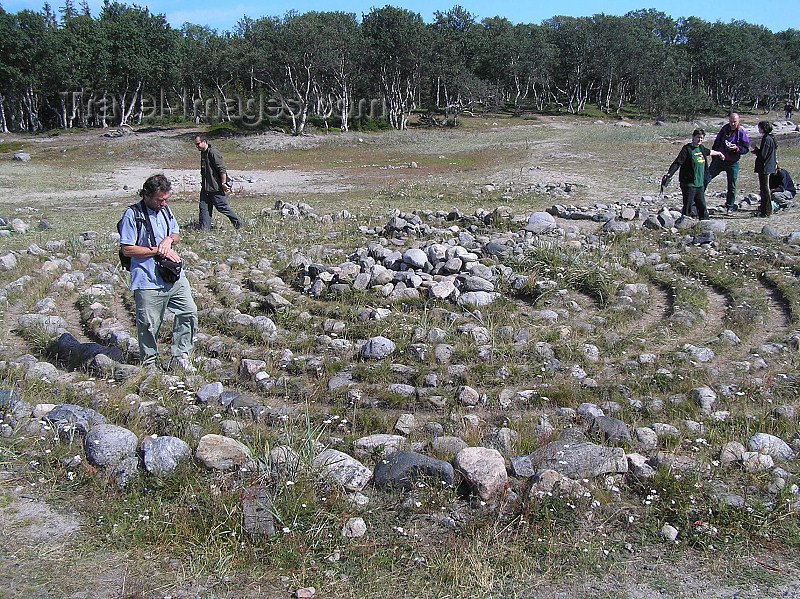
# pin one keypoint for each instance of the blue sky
(778, 15)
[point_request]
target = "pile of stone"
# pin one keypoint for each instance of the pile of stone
(461, 267)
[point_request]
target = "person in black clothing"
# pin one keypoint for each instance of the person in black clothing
(788, 110)
(691, 161)
(214, 181)
(782, 187)
(766, 163)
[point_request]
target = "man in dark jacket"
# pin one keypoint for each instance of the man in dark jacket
(692, 163)
(732, 142)
(782, 187)
(214, 180)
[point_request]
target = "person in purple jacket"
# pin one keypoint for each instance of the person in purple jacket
(732, 141)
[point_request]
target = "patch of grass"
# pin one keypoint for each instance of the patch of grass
(11, 146)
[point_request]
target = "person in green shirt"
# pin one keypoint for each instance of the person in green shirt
(692, 162)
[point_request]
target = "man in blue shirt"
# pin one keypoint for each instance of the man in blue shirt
(153, 295)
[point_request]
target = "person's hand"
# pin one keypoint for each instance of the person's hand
(172, 255)
(164, 246)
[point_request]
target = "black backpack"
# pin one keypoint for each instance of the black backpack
(139, 216)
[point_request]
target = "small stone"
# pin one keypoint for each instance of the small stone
(669, 532)
(354, 528)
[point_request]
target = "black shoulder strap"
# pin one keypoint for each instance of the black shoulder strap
(138, 218)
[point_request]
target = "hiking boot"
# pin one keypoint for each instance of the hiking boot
(182, 362)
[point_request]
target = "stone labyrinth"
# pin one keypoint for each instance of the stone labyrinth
(506, 354)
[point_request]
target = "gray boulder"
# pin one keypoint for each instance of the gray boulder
(403, 469)
(447, 445)
(477, 299)
(342, 469)
(773, 446)
(378, 348)
(540, 222)
(71, 420)
(42, 371)
(209, 392)
(108, 444)
(49, 325)
(715, 225)
(581, 459)
(611, 430)
(223, 453)
(483, 469)
(638, 466)
(616, 227)
(704, 398)
(415, 258)
(8, 262)
(163, 455)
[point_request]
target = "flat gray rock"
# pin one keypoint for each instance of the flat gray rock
(580, 460)
(222, 453)
(379, 443)
(72, 421)
(773, 446)
(342, 469)
(378, 348)
(540, 222)
(403, 469)
(477, 299)
(257, 518)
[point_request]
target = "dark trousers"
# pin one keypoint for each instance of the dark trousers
(732, 171)
(694, 197)
(209, 201)
(765, 209)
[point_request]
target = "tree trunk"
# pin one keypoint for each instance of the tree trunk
(31, 106)
(62, 110)
(3, 123)
(127, 109)
(345, 111)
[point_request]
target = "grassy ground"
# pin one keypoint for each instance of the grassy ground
(183, 536)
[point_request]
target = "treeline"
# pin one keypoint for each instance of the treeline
(129, 66)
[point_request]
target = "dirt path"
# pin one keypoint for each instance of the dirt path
(778, 319)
